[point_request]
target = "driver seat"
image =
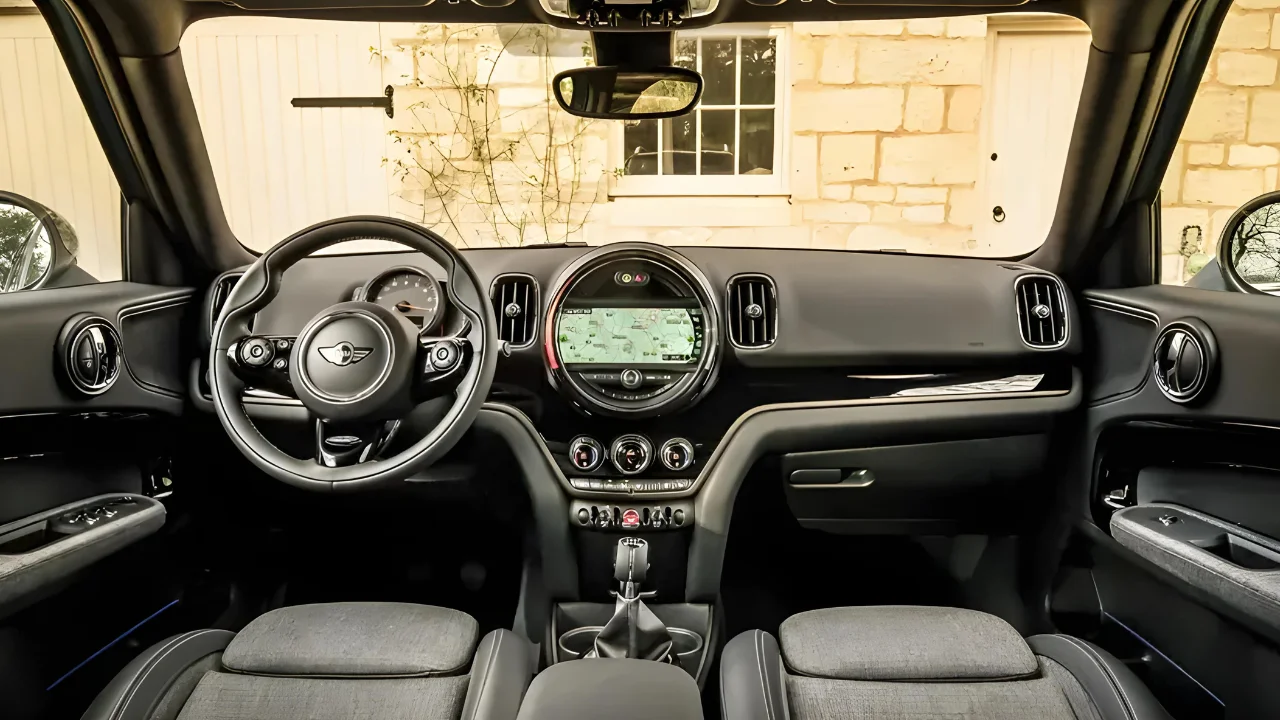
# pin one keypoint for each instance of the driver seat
(337, 661)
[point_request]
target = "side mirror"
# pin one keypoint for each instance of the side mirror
(612, 93)
(1249, 250)
(36, 244)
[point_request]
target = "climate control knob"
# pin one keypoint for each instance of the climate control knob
(631, 454)
(676, 454)
(585, 453)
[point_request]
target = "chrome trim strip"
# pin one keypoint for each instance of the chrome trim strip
(1119, 308)
(536, 310)
(1062, 299)
(728, 304)
(1013, 383)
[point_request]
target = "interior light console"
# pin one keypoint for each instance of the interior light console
(632, 330)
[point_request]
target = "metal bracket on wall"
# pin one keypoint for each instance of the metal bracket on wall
(384, 102)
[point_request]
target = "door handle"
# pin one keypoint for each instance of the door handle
(831, 478)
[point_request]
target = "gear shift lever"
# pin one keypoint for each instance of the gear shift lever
(633, 631)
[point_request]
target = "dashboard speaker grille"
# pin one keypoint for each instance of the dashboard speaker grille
(753, 311)
(515, 304)
(1042, 311)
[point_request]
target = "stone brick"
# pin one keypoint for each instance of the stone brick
(929, 62)
(1218, 115)
(925, 107)
(804, 167)
(947, 159)
(837, 192)
(839, 57)
(830, 237)
(886, 214)
(848, 157)
(966, 104)
(805, 53)
(855, 109)
(519, 97)
(927, 26)
(1172, 222)
(1221, 187)
(819, 28)
(1257, 4)
(1205, 153)
(873, 193)
(434, 111)
(1171, 269)
(1275, 32)
(837, 212)
(1217, 223)
(972, 26)
(1264, 118)
(1244, 31)
(509, 69)
(1237, 68)
(1272, 176)
(1171, 184)
(921, 195)
(963, 208)
(1253, 156)
(933, 214)
(873, 27)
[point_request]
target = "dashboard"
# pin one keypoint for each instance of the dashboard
(632, 365)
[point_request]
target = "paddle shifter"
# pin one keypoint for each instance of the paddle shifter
(633, 631)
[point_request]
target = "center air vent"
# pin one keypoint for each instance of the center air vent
(515, 304)
(1184, 360)
(753, 311)
(1042, 311)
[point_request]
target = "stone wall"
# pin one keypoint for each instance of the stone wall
(884, 133)
(1229, 150)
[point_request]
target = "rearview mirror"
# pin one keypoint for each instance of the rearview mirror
(613, 93)
(1249, 250)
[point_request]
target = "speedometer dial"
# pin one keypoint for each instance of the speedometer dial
(410, 292)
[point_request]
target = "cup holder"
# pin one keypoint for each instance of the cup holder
(580, 641)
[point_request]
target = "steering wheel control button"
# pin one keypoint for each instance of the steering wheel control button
(444, 356)
(585, 453)
(632, 379)
(676, 454)
(280, 364)
(256, 352)
(631, 454)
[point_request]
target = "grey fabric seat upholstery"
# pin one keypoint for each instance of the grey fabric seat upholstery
(923, 663)
(339, 661)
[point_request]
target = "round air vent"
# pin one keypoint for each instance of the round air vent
(90, 351)
(1185, 358)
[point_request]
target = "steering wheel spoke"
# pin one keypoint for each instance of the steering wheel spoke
(262, 362)
(340, 445)
(441, 364)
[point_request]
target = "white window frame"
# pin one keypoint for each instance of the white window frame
(720, 185)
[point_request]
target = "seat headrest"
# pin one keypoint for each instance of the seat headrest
(902, 643)
(355, 640)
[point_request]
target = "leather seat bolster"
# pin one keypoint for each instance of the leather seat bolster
(500, 675)
(1116, 691)
(139, 686)
(752, 679)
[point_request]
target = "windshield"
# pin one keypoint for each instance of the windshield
(941, 136)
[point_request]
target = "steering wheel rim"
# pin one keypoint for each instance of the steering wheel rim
(261, 283)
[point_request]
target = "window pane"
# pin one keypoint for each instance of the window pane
(640, 147)
(757, 142)
(680, 136)
(717, 142)
(687, 54)
(759, 63)
(718, 71)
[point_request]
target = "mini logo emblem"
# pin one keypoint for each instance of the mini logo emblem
(344, 353)
(1041, 311)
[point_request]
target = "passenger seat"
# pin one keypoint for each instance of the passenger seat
(923, 663)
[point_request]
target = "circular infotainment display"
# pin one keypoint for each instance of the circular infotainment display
(632, 331)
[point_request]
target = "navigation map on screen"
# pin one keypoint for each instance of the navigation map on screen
(627, 336)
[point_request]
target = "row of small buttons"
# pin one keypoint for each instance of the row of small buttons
(630, 486)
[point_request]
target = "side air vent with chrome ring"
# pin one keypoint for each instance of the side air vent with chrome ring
(90, 353)
(1186, 356)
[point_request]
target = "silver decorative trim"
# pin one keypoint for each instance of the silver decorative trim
(304, 342)
(1013, 383)
(1122, 309)
(534, 311)
(106, 340)
(1062, 300)
(1180, 395)
(644, 442)
(729, 307)
(662, 453)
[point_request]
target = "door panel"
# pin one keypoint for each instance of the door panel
(1180, 535)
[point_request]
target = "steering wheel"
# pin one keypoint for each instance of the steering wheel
(357, 367)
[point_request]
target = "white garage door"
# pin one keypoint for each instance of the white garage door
(48, 149)
(281, 168)
(1033, 90)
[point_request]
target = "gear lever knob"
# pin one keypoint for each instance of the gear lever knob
(630, 564)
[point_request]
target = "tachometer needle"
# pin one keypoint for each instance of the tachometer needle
(404, 307)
